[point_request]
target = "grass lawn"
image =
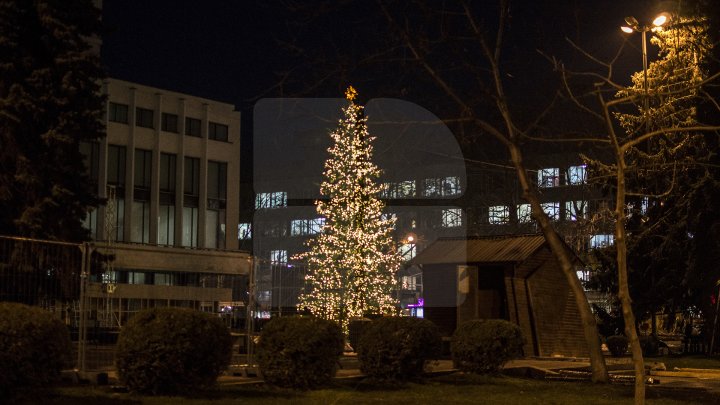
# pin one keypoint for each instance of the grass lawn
(448, 389)
(686, 361)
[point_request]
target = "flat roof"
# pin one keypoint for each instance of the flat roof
(495, 249)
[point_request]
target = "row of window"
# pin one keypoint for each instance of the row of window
(450, 218)
(430, 187)
(140, 208)
(168, 122)
(148, 277)
(408, 251)
(436, 187)
(574, 210)
(550, 177)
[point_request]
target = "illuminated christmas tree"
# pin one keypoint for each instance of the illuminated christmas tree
(352, 262)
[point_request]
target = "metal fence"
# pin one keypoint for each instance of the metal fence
(71, 281)
(79, 284)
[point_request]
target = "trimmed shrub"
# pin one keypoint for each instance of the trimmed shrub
(172, 351)
(34, 348)
(484, 346)
(299, 352)
(617, 345)
(397, 348)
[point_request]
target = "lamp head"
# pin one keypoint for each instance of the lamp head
(632, 22)
(661, 19)
(626, 29)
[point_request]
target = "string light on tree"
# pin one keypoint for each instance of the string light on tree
(352, 262)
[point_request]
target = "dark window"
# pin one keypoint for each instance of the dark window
(144, 117)
(90, 152)
(192, 177)
(218, 132)
(217, 180)
(192, 127)
(167, 172)
(118, 113)
(116, 165)
(169, 122)
(143, 168)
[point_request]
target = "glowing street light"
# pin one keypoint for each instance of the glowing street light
(634, 26)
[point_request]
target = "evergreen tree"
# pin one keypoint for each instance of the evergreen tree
(50, 102)
(352, 262)
(667, 172)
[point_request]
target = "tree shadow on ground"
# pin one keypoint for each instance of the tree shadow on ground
(693, 395)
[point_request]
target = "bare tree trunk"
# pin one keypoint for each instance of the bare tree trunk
(621, 248)
(566, 260)
(623, 287)
(509, 137)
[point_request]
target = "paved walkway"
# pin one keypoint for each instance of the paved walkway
(559, 368)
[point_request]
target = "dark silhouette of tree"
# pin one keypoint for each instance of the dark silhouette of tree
(50, 102)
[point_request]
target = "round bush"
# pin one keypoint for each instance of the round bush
(172, 351)
(484, 346)
(397, 348)
(299, 352)
(617, 345)
(34, 348)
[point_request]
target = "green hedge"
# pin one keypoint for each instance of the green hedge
(34, 348)
(397, 348)
(484, 346)
(172, 351)
(299, 352)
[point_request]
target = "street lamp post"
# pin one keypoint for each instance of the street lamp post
(634, 26)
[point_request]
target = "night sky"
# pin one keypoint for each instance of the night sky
(233, 51)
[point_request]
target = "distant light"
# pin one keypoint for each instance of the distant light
(410, 238)
(626, 29)
(660, 20)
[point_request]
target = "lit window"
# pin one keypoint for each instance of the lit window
(136, 277)
(583, 275)
(306, 226)
(575, 210)
(644, 204)
(271, 200)
(601, 241)
(278, 256)
(407, 251)
(399, 189)
(524, 213)
(244, 230)
(441, 187)
(576, 175)
(552, 210)
(164, 279)
(452, 217)
(498, 214)
(409, 283)
(389, 216)
(549, 177)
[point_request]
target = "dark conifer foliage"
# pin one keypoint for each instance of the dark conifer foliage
(50, 102)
